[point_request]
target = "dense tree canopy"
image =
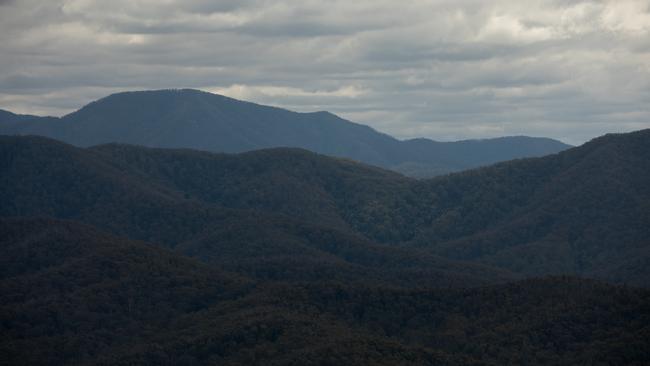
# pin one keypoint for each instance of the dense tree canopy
(76, 296)
(583, 211)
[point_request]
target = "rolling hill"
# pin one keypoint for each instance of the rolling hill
(75, 295)
(581, 212)
(210, 122)
(584, 211)
(43, 177)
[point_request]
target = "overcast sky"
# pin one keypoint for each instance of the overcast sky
(440, 69)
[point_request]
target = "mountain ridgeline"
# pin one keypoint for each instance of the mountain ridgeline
(209, 122)
(583, 212)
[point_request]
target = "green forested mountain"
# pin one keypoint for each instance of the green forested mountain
(204, 121)
(42, 177)
(76, 296)
(583, 211)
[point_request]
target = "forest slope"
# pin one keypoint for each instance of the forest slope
(74, 295)
(42, 177)
(584, 211)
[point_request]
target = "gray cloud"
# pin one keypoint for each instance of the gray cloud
(437, 68)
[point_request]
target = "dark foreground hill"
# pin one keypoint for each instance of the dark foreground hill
(204, 121)
(76, 296)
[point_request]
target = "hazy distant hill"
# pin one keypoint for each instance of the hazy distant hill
(204, 121)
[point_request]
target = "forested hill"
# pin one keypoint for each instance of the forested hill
(583, 211)
(126, 255)
(74, 295)
(288, 228)
(210, 122)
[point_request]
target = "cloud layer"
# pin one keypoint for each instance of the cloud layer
(441, 69)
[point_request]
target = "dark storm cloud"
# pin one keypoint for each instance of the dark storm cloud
(442, 69)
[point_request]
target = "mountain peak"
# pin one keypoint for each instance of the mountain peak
(190, 118)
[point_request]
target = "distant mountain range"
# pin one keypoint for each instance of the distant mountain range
(203, 121)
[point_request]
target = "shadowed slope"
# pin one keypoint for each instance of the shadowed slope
(76, 296)
(583, 211)
(180, 201)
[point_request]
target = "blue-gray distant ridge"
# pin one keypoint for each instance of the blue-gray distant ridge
(186, 118)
